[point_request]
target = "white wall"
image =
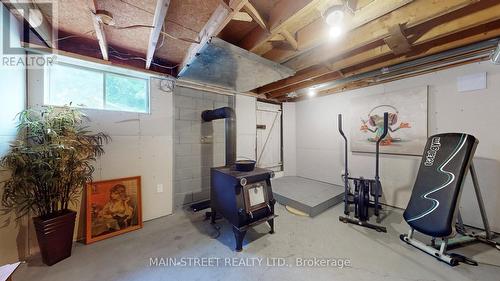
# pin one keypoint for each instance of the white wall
(12, 100)
(289, 139)
(320, 148)
(246, 122)
(142, 145)
(198, 145)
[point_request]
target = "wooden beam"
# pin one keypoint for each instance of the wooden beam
(99, 30)
(363, 83)
(412, 14)
(397, 41)
(300, 76)
(218, 20)
(463, 38)
(242, 16)
(158, 21)
(318, 32)
(250, 9)
(305, 84)
(460, 39)
(372, 35)
(290, 39)
(37, 21)
(284, 14)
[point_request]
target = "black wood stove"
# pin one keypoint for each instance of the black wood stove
(245, 199)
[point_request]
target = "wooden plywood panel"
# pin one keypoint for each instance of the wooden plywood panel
(185, 18)
(134, 39)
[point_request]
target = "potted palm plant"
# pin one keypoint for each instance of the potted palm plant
(50, 164)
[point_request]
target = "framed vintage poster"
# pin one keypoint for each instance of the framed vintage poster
(407, 132)
(113, 208)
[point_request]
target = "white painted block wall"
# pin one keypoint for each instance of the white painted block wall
(319, 146)
(193, 157)
(246, 122)
(142, 144)
(289, 139)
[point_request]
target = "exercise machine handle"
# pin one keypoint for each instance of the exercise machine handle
(346, 167)
(340, 127)
(386, 127)
(377, 151)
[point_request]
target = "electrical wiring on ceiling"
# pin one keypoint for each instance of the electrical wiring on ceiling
(125, 56)
(152, 26)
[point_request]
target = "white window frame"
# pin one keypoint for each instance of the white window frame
(47, 92)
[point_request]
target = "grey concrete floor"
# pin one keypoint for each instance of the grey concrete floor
(373, 256)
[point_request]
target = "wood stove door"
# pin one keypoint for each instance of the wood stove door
(256, 196)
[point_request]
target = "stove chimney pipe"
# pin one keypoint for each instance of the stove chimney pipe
(228, 114)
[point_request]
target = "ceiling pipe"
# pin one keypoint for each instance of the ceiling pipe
(495, 57)
(398, 68)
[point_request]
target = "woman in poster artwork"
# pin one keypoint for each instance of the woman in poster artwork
(117, 212)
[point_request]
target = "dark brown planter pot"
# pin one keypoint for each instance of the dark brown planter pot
(55, 235)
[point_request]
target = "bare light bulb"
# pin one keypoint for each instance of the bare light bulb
(334, 17)
(335, 32)
(311, 93)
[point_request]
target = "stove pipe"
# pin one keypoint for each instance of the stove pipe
(228, 114)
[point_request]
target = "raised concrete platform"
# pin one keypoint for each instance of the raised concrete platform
(306, 195)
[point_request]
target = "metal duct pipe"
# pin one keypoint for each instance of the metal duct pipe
(228, 114)
(495, 57)
(387, 71)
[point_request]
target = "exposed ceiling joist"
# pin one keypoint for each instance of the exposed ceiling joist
(474, 33)
(466, 37)
(99, 30)
(37, 21)
(284, 14)
(290, 38)
(460, 39)
(158, 21)
(219, 19)
(242, 16)
(411, 14)
(371, 33)
(255, 15)
(305, 84)
(318, 32)
(397, 41)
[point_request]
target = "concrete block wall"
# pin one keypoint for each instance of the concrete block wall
(198, 145)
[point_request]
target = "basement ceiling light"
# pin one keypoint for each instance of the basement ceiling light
(312, 92)
(105, 17)
(334, 17)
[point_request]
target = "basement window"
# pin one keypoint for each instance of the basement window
(96, 89)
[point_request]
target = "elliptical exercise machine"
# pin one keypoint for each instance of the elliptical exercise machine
(364, 189)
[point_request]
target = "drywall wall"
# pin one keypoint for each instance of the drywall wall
(289, 139)
(198, 145)
(246, 120)
(320, 148)
(142, 144)
(13, 242)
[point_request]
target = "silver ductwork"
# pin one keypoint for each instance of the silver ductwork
(225, 65)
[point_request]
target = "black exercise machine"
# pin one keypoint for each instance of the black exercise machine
(433, 206)
(364, 189)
